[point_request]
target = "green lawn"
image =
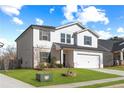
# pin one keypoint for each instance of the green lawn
(28, 75)
(116, 68)
(104, 84)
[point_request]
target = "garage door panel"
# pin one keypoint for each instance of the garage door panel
(87, 61)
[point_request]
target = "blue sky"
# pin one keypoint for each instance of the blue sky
(107, 21)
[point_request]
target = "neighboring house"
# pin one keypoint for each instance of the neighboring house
(72, 44)
(115, 49)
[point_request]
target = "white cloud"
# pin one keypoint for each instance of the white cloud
(108, 29)
(92, 14)
(39, 21)
(104, 34)
(7, 42)
(11, 10)
(51, 10)
(17, 21)
(85, 14)
(120, 29)
(68, 11)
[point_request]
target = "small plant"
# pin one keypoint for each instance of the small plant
(69, 73)
(44, 65)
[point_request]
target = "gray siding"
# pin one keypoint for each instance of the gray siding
(107, 59)
(25, 49)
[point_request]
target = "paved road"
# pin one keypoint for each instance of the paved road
(8, 82)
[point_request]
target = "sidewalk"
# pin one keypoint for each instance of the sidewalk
(86, 83)
(110, 71)
(8, 82)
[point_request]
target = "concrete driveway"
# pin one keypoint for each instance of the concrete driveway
(8, 82)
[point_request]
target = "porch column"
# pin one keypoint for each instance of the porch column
(121, 55)
(61, 56)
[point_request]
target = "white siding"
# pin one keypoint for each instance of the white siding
(40, 43)
(56, 36)
(80, 39)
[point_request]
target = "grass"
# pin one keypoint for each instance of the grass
(28, 76)
(116, 68)
(104, 84)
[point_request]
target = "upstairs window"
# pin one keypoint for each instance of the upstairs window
(44, 35)
(68, 38)
(62, 37)
(87, 40)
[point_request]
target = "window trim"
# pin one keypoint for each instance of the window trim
(86, 40)
(42, 57)
(43, 33)
(68, 38)
(63, 37)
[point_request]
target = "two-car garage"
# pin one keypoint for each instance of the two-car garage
(83, 59)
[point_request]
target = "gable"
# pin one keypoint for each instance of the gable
(70, 29)
(92, 32)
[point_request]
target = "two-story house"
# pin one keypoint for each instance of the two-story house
(72, 44)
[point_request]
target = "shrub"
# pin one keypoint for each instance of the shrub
(44, 65)
(53, 62)
(59, 65)
(69, 73)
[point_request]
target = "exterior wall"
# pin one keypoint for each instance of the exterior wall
(70, 59)
(37, 55)
(88, 53)
(39, 46)
(24, 49)
(40, 43)
(56, 36)
(55, 53)
(80, 39)
(107, 59)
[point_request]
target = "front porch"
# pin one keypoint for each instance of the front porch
(118, 58)
(63, 55)
(66, 57)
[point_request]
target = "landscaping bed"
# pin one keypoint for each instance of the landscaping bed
(29, 76)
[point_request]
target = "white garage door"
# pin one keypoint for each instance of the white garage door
(87, 61)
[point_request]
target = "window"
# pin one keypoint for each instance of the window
(68, 38)
(62, 37)
(44, 35)
(44, 56)
(87, 40)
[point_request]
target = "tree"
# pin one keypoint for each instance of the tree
(116, 38)
(8, 54)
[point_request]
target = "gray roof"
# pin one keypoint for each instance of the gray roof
(61, 46)
(103, 45)
(44, 27)
(111, 45)
(118, 46)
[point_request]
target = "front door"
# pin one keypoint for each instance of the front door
(64, 59)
